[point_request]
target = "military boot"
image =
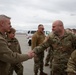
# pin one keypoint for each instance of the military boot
(43, 73)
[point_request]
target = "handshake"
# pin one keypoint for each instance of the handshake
(31, 54)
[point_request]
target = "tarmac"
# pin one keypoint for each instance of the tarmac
(29, 64)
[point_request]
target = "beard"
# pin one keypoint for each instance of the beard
(55, 32)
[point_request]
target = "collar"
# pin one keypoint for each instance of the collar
(3, 35)
(39, 32)
(65, 35)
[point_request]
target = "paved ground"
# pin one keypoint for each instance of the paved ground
(28, 65)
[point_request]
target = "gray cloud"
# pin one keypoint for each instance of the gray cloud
(49, 5)
(39, 11)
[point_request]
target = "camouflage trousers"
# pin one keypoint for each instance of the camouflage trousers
(38, 63)
(58, 69)
(18, 68)
(71, 74)
(49, 57)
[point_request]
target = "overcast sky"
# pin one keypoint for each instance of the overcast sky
(27, 14)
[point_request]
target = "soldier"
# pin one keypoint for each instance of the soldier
(14, 45)
(7, 56)
(71, 65)
(62, 43)
(37, 39)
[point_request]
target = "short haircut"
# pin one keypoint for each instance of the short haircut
(3, 17)
(40, 25)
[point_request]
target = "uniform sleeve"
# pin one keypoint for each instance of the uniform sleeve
(46, 38)
(34, 42)
(6, 55)
(71, 65)
(42, 46)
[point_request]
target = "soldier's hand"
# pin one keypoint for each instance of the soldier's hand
(31, 54)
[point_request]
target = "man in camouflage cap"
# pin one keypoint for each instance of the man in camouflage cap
(63, 45)
(7, 56)
(14, 45)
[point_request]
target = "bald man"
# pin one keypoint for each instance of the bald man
(63, 45)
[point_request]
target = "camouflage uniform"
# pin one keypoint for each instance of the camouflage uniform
(71, 69)
(37, 39)
(49, 57)
(14, 45)
(7, 56)
(63, 47)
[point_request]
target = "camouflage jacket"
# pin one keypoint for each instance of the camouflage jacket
(71, 65)
(37, 39)
(14, 45)
(7, 56)
(63, 47)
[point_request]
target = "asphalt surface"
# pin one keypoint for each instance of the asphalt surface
(28, 65)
